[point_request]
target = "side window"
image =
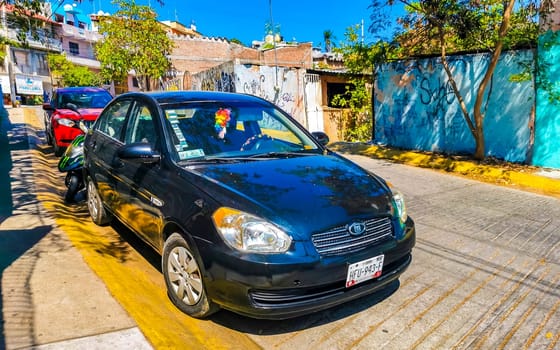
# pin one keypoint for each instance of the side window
(141, 127)
(111, 121)
(272, 127)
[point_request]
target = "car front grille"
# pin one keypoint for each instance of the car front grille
(339, 241)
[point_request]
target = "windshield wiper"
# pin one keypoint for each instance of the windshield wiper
(276, 154)
(211, 159)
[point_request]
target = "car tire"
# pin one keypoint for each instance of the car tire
(73, 185)
(58, 151)
(184, 278)
(48, 137)
(97, 211)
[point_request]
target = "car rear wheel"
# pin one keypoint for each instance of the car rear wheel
(97, 211)
(184, 278)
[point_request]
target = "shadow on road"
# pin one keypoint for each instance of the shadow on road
(147, 252)
(15, 239)
(13, 245)
(6, 205)
(268, 327)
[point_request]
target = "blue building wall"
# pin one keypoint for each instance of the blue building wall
(547, 120)
(415, 107)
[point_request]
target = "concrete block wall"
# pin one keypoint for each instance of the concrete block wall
(415, 107)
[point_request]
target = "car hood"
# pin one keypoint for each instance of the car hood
(85, 113)
(306, 193)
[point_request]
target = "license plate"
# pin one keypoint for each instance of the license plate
(364, 270)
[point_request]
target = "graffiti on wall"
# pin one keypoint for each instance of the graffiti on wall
(275, 84)
(173, 84)
(220, 78)
(416, 107)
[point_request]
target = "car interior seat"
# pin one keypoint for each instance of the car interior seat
(146, 131)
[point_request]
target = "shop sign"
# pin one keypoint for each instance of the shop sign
(26, 85)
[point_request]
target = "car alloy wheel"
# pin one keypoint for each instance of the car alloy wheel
(95, 207)
(184, 278)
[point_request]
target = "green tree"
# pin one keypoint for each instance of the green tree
(69, 74)
(328, 37)
(444, 26)
(133, 41)
(362, 61)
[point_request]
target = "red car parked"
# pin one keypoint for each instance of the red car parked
(66, 108)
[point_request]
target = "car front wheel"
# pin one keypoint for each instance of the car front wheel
(97, 211)
(48, 137)
(184, 280)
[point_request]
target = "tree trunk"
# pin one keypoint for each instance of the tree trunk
(480, 151)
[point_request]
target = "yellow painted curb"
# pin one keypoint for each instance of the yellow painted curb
(508, 175)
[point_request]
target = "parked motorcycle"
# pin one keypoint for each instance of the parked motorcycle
(72, 162)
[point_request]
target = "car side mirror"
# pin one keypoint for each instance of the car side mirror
(47, 107)
(322, 137)
(139, 152)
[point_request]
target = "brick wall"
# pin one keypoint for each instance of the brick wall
(194, 54)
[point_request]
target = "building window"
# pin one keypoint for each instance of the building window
(74, 48)
(334, 89)
(58, 18)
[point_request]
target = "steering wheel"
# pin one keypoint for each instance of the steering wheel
(255, 142)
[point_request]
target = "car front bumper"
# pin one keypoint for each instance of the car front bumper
(64, 135)
(298, 286)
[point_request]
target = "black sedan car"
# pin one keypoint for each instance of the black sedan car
(248, 210)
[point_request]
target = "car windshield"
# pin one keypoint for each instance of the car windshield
(85, 99)
(206, 130)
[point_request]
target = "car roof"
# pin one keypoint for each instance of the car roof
(172, 97)
(80, 89)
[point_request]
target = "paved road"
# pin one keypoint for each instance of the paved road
(485, 275)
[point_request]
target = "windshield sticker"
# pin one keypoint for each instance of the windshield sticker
(193, 153)
(183, 145)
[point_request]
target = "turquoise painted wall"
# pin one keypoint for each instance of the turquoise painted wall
(547, 119)
(415, 107)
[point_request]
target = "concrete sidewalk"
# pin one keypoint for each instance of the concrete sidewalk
(50, 297)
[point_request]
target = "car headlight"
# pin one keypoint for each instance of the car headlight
(248, 233)
(400, 206)
(66, 122)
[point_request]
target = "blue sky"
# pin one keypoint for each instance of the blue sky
(302, 20)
